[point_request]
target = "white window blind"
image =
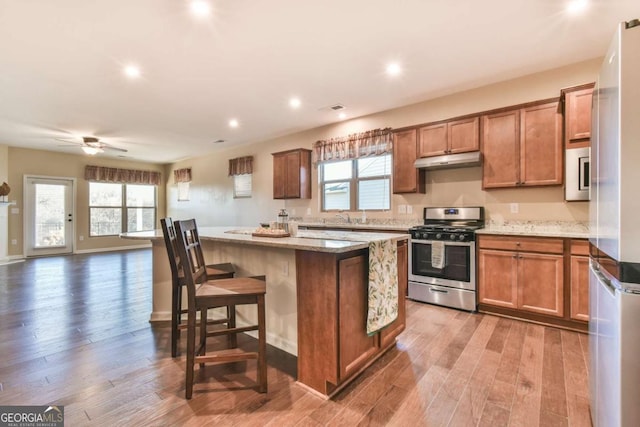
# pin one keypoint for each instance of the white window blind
(242, 185)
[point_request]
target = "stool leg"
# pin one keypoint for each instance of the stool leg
(203, 333)
(176, 301)
(191, 349)
(232, 339)
(262, 346)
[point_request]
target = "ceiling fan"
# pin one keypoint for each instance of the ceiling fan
(92, 145)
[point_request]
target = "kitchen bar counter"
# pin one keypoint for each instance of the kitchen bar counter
(316, 301)
(560, 229)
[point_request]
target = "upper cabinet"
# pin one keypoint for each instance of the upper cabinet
(577, 115)
(455, 136)
(522, 147)
(406, 178)
(292, 174)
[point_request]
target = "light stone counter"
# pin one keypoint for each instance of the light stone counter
(401, 228)
(562, 229)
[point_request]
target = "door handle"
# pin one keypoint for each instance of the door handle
(438, 290)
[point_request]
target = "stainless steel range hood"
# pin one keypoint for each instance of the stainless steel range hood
(450, 161)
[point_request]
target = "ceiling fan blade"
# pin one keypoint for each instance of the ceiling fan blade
(111, 147)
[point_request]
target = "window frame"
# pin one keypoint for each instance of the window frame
(353, 184)
(124, 208)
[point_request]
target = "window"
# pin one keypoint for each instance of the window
(242, 185)
(111, 206)
(356, 184)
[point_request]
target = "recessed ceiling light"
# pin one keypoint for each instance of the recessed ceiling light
(577, 6)
(295, 103)
(200, 8)
(233, 123)
(132, 71)
(342, 115)
(393, 69)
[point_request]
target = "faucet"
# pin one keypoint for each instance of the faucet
(346, 218)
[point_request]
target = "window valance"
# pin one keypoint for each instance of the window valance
(241, 165)
(126, 176)
(182, 175)
(370, 143)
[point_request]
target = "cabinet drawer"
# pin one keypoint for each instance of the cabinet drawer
(580, 247)
(524, 244)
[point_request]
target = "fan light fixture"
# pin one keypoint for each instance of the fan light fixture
(92, 151)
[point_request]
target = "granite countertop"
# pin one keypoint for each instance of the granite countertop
(568, 229)
(400, 227)
(308, 240)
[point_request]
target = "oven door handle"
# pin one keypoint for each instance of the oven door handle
(442, 291)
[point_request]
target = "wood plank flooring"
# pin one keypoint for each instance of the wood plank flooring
(75, 332)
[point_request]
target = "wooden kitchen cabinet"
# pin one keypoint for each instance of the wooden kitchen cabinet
(332, 294)
(292, 174)
(522, 273)
(450, 137)
(406, 178)
(355, 346)
(580, 280)
(522, 146)
(577, 115)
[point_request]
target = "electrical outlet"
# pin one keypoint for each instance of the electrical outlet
(15, 211)
(402, 209)
(81, 238)
(409, 209)
(14, 241)
(293, 212)
(308, 211)
(515, 208)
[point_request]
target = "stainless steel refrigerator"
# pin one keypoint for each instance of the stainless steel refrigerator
(614, 209)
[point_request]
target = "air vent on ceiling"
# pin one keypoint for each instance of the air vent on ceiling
(219, 141)
(337, 107)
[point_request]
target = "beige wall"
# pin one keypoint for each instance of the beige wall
(45, 163)
(212, 200)
(4, 209)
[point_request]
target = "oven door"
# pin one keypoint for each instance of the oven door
(459, 269)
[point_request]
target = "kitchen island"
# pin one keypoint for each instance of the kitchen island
(316, 295)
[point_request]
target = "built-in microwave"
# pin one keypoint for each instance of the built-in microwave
(577, 174)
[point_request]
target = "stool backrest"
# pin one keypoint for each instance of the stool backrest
(191, 254)
(171, 242)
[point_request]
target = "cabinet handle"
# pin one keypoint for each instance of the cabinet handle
(517, 243)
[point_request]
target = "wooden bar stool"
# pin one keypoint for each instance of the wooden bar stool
(203, 294)
(213, 271)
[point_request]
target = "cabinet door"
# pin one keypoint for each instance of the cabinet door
(497, 278)
(464, 135)
(433, 140)
(292, 180)
(580, 288)
(541, 145)
(577, 118)
(279, 176)
(500, 149)
(406, 178)
(356, 347)
(388, 334)
(541, 283)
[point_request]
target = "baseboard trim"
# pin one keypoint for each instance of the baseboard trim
(113, 249)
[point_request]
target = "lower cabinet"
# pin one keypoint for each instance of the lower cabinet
(333, 345)
(580, 280)
(534, 278)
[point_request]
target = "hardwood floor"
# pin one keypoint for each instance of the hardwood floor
(75, 332)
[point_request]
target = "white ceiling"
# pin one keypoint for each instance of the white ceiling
(61, 63)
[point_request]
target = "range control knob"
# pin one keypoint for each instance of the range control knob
(439, 236)
(452, 237)
(461, 237)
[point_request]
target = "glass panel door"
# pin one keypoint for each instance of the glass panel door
(48, 216)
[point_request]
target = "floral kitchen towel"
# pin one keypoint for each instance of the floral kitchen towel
(383, 285)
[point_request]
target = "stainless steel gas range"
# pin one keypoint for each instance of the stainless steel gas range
(442, 257)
